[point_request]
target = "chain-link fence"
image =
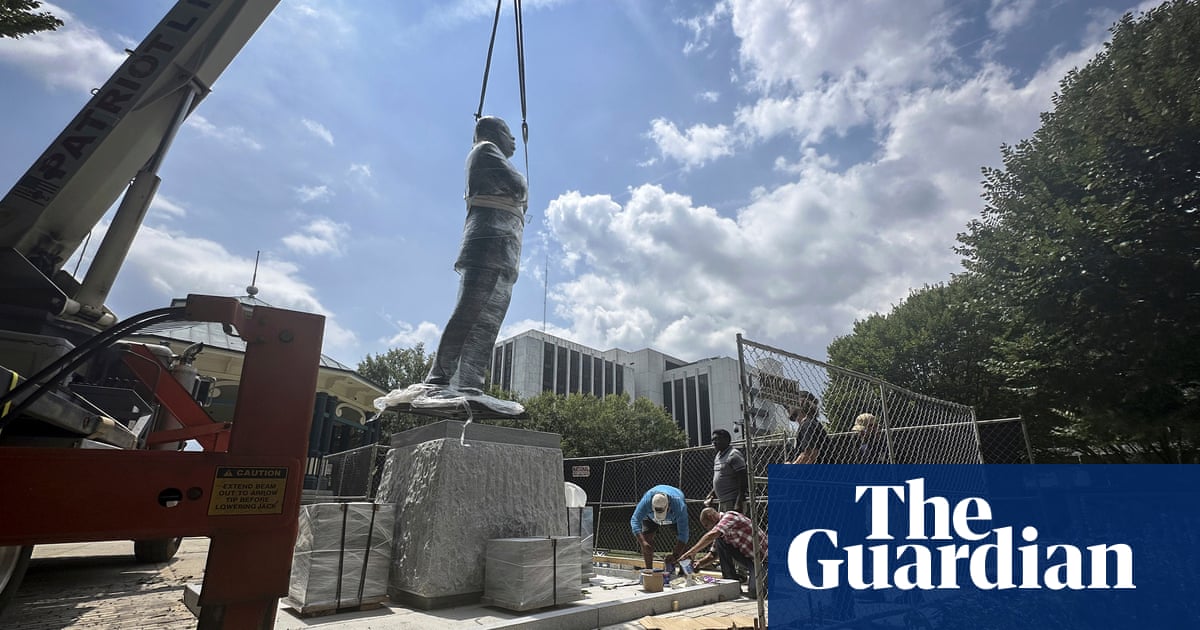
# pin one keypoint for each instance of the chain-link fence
(351, 475)
(614, 484)
(800, 410)
(626, 478)
(1004, 441)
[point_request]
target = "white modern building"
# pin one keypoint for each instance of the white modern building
(702, 396)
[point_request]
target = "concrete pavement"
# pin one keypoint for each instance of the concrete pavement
(100, 585)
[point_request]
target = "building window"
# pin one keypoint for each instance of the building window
(671, 365)
(547, 366)
(574, 371)
(693, 418)
(586, 379)
(560, 383)
(608, 377)
(680, 406)
(667, 401)
(508, 364)
(705, 409)
(496, 363)
(598, 377)
(620, 385)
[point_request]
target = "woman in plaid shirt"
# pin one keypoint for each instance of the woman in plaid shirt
(731, 536)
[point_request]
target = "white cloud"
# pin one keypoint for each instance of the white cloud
(702, 277)
(308, 194)
(74, 57)
(665, 237)
(1005, 15)
(880, 41)
(702, 27)
(817, 69)
(165, 208)
(694, 147)
(165, 264)
(331, 25)
(407, 336)
(318, 130)
(800, 261)
(233, 136)
(810, 115)
(359, 179)
(320, 236)
(810, 158)
(709, 96)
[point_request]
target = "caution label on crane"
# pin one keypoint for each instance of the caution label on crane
(253, 490)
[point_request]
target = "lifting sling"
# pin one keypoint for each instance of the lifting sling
(520, 36)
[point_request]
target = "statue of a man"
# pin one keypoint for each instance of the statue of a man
(488, 259)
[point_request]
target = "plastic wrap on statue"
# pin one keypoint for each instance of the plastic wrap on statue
(488, 261)
(425, 398)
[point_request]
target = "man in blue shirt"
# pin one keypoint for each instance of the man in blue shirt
(661, 505)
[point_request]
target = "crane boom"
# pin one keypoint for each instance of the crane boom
(125, 125)
(70, 387)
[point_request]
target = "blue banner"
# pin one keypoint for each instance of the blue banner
(983, 547)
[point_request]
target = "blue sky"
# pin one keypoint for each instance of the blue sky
(698, 169)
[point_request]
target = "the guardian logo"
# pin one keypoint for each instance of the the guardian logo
(985, 559)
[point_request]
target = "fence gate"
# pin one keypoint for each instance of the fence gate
(901, 427)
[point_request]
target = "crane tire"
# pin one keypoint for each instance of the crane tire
(156, 550)
(13, 563)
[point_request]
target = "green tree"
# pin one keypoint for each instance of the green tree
(1089, 247)
(398, 367)
(18, 18)
(395, 369)
(937, 342)
(592, 426)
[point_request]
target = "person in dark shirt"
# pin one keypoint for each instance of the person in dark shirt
(807, 436)
(730, 485)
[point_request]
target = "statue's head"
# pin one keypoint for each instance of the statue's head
(495, 130)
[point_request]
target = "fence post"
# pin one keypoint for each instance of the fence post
(600, 506)
(680, 477)
(748, 431)
(1025, 433)
(887, 425)
(978, 438)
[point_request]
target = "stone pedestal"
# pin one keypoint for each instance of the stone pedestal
(451, 499)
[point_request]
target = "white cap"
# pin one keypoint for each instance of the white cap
(660, 503)
(864, 421)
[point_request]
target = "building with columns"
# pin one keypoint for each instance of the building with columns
(702, 396)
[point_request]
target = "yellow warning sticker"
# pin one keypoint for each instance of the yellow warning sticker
(256, 490)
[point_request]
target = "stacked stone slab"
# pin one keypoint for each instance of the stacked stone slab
(451, 498)
(580, 523)
(528, 573)
(342, 556)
